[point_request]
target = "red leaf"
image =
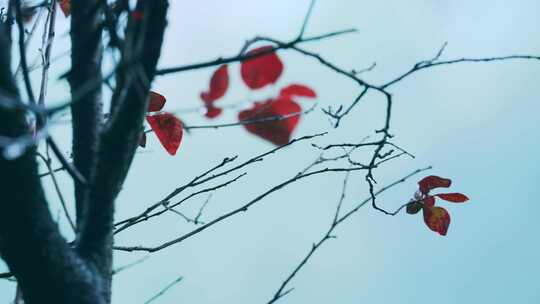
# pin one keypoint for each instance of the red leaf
(453, 197)
(429, 201)
(297, 90)
(142, 141)
(437, 219)
(263, 70)
(65, 6)
(276, 131)
(168, 129)
(432, 182)
(218, 85)
(212, 112)
(156, 103)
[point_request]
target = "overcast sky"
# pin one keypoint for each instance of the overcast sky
(475, 123)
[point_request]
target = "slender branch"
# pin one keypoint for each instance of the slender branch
(47, 46)
(204, 178)
(164, 290)
(6, 275)
(22, 51)
(166, 207)
(47, 162)
(242, 56)
(337, 220)
(434, 62)
(75, 174)
(30, 33)
(254, 121)
(306, 19)
(243, 208)
(130, 265)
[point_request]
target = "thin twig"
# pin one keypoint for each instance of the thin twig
(164, 290)
(337, 220)
(22, 51)
(241, 56)
(306, 20)
(130, 265)
(75, 174)
(204, 178)
(47, 162)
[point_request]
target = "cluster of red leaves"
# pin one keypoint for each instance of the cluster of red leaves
(166, 126)
(274, 119)
(435, 217)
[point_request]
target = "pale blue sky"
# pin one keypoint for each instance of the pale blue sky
(476, 124)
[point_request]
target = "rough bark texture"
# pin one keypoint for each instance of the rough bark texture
(49, 269)
(85, 79)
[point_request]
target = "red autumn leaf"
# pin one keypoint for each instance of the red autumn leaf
(156, 103)
(453, 197)
(212, 112)
(278, 131)
(142, 141)
(297, 90)
(65, 6)
(263, 70)
(429, 201)
(218, 85)
(168, 129)
(437, 219)
(431, 182)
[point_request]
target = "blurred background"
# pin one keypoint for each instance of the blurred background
(475, 123)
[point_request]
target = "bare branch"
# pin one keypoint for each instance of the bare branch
(22, 51)
(242, 56)
(243, 208)
(47, 162)
(164, 290)
(201, 179)
(337, 220)
(306, 19)
(254, 121)
(434, 62)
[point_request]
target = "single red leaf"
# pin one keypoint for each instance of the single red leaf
(142, 141)
(453, 197)
(65, 6)
(212, 112)
(156, 103)
(437, 219)
(278, 131)
(429, 201)
(431, 182)
(218, 85)
(168, 130)
(263, 70)
(297, 90)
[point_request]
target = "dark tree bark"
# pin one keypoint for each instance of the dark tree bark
(47, 267)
